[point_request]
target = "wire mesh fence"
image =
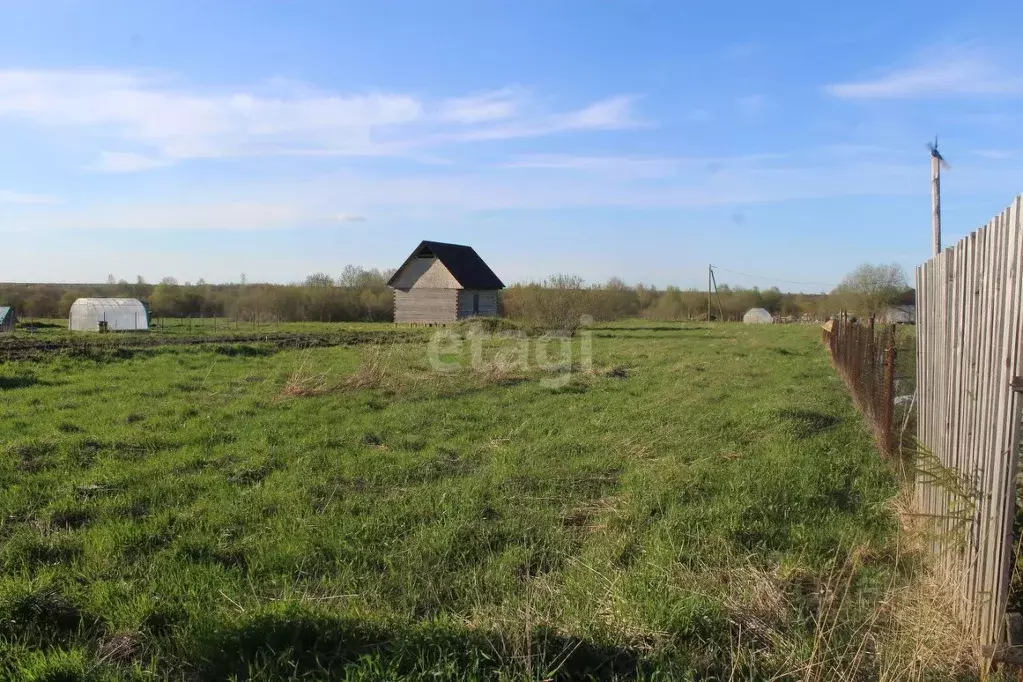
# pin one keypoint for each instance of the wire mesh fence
(865, 355)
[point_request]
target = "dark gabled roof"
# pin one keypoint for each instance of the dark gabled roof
(461, 261)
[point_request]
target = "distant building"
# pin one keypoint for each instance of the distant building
(7, 319)
(108, 314)
(757, 316)
(903, 312)
(442, 283)
(898, 314)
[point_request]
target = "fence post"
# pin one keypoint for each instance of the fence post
(871, 359)
(889, 391)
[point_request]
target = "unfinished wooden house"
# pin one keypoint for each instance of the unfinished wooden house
(441, 283)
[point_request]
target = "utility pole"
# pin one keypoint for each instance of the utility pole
(714, 281)
(937, 163)
(710, 274)
(936, 203)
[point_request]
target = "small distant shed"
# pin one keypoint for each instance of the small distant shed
(757, 316)
(899, 314)
(440, 283)
(7, 319)
(108, 314)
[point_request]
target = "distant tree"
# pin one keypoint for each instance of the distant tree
(64, 307)
(771, 300)
(320, 279)
(165, 298)
(111, 280)
(869, 289)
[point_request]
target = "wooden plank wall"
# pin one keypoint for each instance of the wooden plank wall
(969, 301)
(426, 306)
(488, 303)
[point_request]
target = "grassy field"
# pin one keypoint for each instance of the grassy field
(698, 501)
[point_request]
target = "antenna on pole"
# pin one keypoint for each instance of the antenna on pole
(937, 163)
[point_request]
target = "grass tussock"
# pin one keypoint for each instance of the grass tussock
(907, 632)
(378, 368)
(395, 371)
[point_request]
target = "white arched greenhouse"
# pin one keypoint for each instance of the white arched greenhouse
(757, 316)
(108, 314)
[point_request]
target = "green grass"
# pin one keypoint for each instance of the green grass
(347, 513)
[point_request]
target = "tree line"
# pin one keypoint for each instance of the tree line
(359, 294)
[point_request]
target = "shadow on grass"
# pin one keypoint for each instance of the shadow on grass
(24, 381)
(648, 337)
(295, 644)
(661, 328)
(809, 423)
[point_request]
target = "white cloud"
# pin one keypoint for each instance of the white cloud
(631, 166)
(624, 167)
(349, 218)
(127, 162)
(226, 215)
(941, 73)
(154, 121)
(488, 106)
(178, 124)
(608, 114)
(11, 197)
(615, 113)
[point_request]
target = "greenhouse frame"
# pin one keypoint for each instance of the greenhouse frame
(757, 316)
(108, 314)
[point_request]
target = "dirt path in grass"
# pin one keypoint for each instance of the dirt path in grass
(27, 349)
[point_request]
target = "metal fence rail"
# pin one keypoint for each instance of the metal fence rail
(865, 357)
(969, 335)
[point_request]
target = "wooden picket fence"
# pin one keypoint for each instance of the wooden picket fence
(969, 358)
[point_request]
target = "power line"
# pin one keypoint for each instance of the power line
(775, 279)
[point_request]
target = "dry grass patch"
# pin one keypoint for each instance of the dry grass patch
(587, 515)
(379, 368)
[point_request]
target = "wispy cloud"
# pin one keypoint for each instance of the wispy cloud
(154, 121)
(615, 113)
(177, 123)
(482, 107)
(939, 73)
(198, 215)
(127, 162)
(349, 218)
(635, 166)
(11, 197)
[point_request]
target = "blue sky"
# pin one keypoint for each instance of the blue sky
(639, 139)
